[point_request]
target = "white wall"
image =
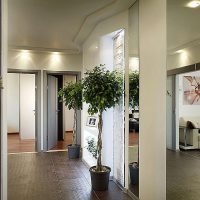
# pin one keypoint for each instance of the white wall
(98, 49)
(69, 114)
(188, 56)
(27, 106)
(187, 110)
(152, 137)
(133, 30)
(33, 60)
(25, 59)
(13, 103)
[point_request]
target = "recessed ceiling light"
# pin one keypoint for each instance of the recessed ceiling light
(55, 53)
(193, 4)
(180, 51)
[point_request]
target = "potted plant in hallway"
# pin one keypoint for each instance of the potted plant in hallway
(134, 102)
(71, 95)
(102, 90)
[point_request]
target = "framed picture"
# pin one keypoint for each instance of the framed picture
(191, 90)
(92, 121)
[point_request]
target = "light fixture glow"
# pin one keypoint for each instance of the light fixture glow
(193, 4)
(25, 55)
(55, 59)
(55, 53)
(180, 51)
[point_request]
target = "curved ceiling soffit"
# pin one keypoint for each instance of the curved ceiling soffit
(99, 15)
(186, 45)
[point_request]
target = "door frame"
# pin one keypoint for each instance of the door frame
(174, 112)
(37, 73)
(45, 107)
(1, 114)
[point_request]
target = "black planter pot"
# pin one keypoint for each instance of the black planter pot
(73, 151)
(100, 180)
(134, 173)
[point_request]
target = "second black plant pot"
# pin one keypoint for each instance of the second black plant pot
(134, 173)
(73, 151)
(100, 180)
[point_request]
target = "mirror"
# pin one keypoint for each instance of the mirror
(133, 148)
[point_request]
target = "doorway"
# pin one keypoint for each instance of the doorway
(23, 111)
(58, 120)
(183, 119)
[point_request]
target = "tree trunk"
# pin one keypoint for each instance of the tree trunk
(74, 128)
(99, 143)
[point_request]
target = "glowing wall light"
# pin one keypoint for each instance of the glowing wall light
(25, 55)
(55, 59)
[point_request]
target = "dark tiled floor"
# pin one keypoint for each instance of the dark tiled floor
(51, 176)
(183, 175)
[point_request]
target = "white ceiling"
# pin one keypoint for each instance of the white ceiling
(63, 25)
(183, 25)
(60, 25)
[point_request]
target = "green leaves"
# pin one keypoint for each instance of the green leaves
(134, 89)
(102, 89)
(71, 95)
(92, 147)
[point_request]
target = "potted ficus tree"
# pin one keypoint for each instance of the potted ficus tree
(71, 95)
(133, 103)
(102, 89)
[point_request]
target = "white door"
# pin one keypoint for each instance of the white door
(27, 106)
(52, 134)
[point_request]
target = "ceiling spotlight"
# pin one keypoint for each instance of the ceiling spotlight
(55, 53)
(180, 51)
(193, 4)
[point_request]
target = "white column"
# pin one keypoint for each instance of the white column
(4, 49)
(152, 40)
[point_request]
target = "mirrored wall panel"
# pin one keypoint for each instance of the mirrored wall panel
(118, 112)
(133, 148)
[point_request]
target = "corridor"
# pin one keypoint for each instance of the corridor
(52, 176)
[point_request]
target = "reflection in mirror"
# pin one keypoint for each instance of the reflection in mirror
(133, 148)
(118, 111)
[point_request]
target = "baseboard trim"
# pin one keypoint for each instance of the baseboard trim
(119, 184)
(85, 163)
(130, 194)
(127, 191)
